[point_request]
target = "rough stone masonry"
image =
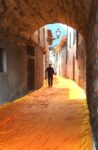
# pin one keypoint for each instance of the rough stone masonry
(20, 18)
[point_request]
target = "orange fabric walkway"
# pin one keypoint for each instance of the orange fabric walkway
(54, 118)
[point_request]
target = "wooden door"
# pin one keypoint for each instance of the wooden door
(31, 68)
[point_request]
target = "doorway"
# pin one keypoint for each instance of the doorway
(73, 68)
(31, 67)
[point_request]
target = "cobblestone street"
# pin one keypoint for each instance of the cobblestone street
(55, 118)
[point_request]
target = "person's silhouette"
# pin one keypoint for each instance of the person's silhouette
(50, 72)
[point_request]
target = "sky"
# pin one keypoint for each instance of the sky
(54, 27)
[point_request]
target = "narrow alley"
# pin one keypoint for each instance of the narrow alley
(55, 118)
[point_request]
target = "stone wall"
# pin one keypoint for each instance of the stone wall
(92, 73)
(62, 60)
(13, 82)
(81, 58)
(73, 58)
(23, 17)
(39, 70)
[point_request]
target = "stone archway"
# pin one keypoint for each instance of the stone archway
(20, 18)
(92, 73)
(23, 18)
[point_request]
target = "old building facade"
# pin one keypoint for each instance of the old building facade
(76, 61)
(71, 57)
(22, 66)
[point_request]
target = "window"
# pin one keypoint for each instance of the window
(74, 36)
(39, 36)
(3, 63)
(67, 54)
(77, 38)
(43, 37)
(70, 40)
(31, 67)
(30, 50)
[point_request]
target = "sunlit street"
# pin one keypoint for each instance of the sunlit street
(55, 118)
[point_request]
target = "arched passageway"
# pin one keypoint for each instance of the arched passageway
(19, 19)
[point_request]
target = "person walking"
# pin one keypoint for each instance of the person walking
(50, 72)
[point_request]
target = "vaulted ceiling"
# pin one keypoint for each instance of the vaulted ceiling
(20, 18)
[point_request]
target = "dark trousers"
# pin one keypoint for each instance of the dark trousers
(50, 80)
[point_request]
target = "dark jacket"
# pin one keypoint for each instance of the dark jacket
(50, 71)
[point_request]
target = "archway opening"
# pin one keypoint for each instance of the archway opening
(66, 52)
(20, 20)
